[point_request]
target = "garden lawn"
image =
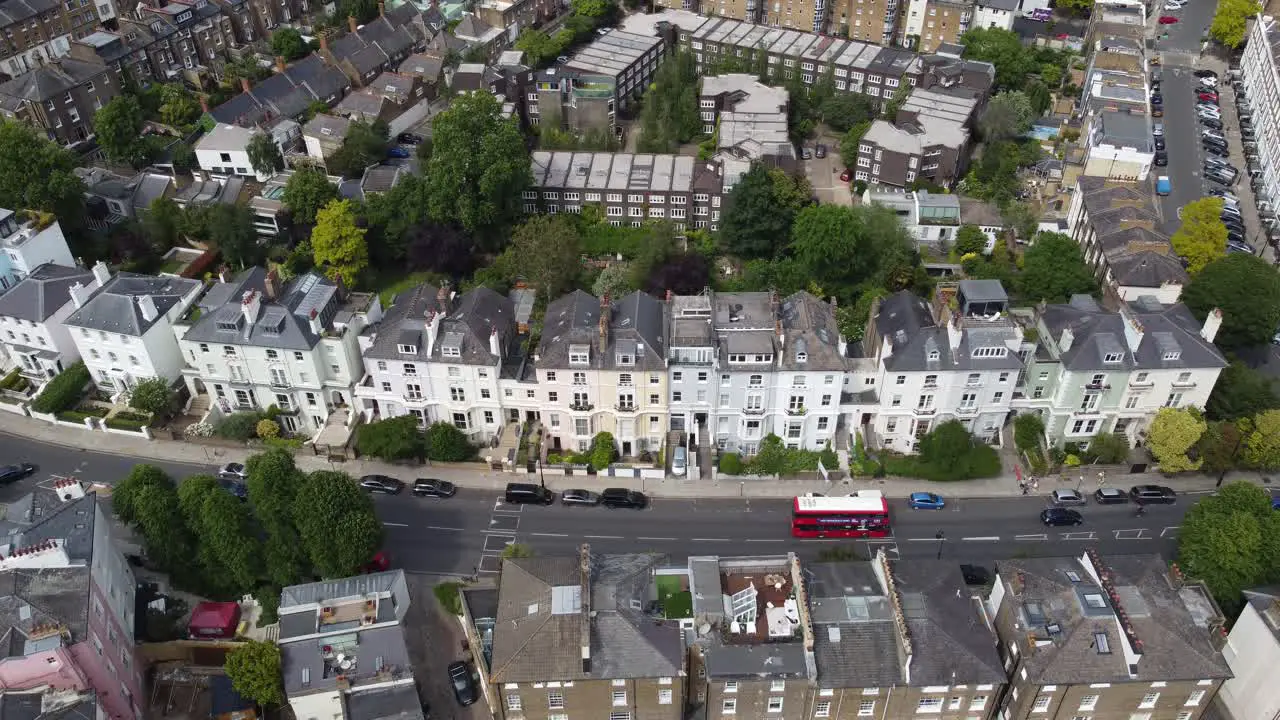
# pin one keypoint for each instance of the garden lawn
(676, 602)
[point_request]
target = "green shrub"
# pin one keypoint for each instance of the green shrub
(603, 450)
(554, 459)
(238, 426)
(74, 416)
(63, 391)
(1028, 430)
(137, 417)
(449, 595)
(774, 458)
(92, 410)
(14, 380)
(397, 438)
(284, 443)
(267, 429)
(447, 443)
(118, 423)
(731, 464)
(830, 460)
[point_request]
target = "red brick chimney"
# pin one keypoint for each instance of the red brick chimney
(324, 42)
(351, 23)
(244, 84)
(280, 63)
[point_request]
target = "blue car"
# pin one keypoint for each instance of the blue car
(397, 152)
(925, 501)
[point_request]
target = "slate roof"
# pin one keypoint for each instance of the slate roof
(636, 321)
(427, 67)
(853, 621)
(43, 292)
(470, 319)
(114, 307)
(1095, 332)
(354, 586)
(398, 702)
(284, 323)
(809, 325)
(1172, 625)
(539, 630)
(285, 94)
(17, 11)
(51, 80)
(1148, 269)
(29, 705)
(1262, 599)
(905, 320)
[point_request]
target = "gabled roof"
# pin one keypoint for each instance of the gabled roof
(283, 323)
(1166, 331)
(810, 327)
(541, 623)
(51, 80)
(30, 705)
(920, 344)
(114, 307)
(43, 292)
(637, 327)
(469, 321)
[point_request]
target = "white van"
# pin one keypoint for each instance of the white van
(679, 461)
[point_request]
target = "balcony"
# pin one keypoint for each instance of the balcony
(925, 411)
(581, 407)
(1096, 386)
(753, 411)
(967, 410)
(625, 407)
(930, 386)
(1135, 383)
(797, 412)
(1189, 383)
(281, 384)
(413, 398)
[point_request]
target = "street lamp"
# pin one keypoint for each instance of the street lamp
(941, 536)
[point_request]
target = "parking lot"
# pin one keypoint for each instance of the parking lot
(824, 174)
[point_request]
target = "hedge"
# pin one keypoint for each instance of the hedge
(118, 423)
(981, 462)
(136, 417)
(63, 391)
(13, 381)
(73, 416)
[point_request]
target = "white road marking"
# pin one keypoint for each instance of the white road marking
(1170, 531)
(1079, 536)
(656, 538)
(391, 524)
(503, 542)
(768, 541)
(711, 539)
(925, 539)
(1136, 534)
(439, 527)
(985, 538)
(603, 537)
(1031, 537)
(549, 534)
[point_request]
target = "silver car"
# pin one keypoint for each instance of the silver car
(579, 497)
(233, 471)
(1064, 498)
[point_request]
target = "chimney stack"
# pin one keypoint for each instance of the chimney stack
(382, 8)
(79, 295)
(1212, 323)
(204, 104)
(669, 294)
(101, 273)
(351, 23)
(250, 304)
(442, 298)
(317, 327)
(271, 285)
(604, 323)
(773, 310)
(1066, 339)
(147, 305)
(584, 580)
(495, 346)
(244, 84)
(281, 65)
(324, 42)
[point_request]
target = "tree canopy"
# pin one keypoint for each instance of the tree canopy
(1241, 392)
(760, 210)
(338, 244)
(479, 166)
(1247, 289)
(1230, 21)
(546, 250)
(335, 523)
(841, 248)
(287, 43)
(1202, 238)
(397, 438)
(264, 154)
(118, 129)
(308, 190)
(152, 395)
(1007, 115)
(364, 145)
(1174, 431)
(1054, 269)
(670, 114)
(1231, 541)
(254, 668)
(37, 174)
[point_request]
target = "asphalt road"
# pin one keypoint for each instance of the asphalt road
(465, 534)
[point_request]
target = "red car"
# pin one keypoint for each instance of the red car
(1207, 97)
(844, 176)
(380, 562)
(1167, 20)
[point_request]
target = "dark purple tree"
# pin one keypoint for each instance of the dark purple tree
(445, 249)
(683, 274)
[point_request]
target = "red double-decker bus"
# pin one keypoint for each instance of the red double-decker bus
(863, 515)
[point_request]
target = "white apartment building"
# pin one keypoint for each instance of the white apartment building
(32, 336)
(257, 342)
(124, 329)
(29, 239)
(1253, 652)
(224, 151)
(937, 363)
(600, 366)
(438, 357)
(996, 13)
(1093, 370)
(745, 365)
(1261, 77)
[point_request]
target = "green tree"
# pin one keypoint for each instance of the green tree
(364, 145)
(184, 157)
(546, 250)
(1109, 448)
(670, 114)
(150, 506)
(537, 46)
(245, 68)
(1241, 392)
(1003, 49)
(272, 484)
(1007, 115)
(1053, 269)
(1174, 431)
(254, 668)
(1219, 447)
(1080, 8)
(1039, 96)
(970, 240)
(1247, 290)
(397, 438)
(596, 9)
(843, 111)
(288, 44)
(1230, 21)
(1262, 442)
(124, 496)
(757, 217)
(1028, 431)
(840, 248)
(336, 523)
(228, 551)
(603, 450)
(849, 143)
(615, 280)
(229, 228)
(264, 154)
(153, 395)
(1231, 541)
(163, 223)
(308, 190)
(1202, 238)
(1022, 217)
(178, 108)
(35, 173)
(479, 166)
(118, 128)
(448, 444)
(950, 452)
(899, 97)
(338, 244)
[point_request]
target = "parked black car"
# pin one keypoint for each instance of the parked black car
(431, 487)
(1159, 143)
(1054, 517)
(464, 686)
(1110, 496)
(578, 496)
(614, 498)
(1162, 159)
(975, 575)
(1153, 494)
(382, 484)
(406, 138)
(14, 473)
(1215, 150)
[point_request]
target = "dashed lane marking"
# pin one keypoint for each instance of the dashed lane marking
(1134, 534)
(603, 537)
(497, 543)
(489, 564)
(391, 524)
(658, 538)
(1079, 536)
(506, 523)
(1170, 532)
(549, 534)
(1033, 538)
(984, 538)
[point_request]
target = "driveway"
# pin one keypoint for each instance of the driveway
(435, 639)
(824, 174)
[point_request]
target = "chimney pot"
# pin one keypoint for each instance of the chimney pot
(244, 84)
(204, 104)
(351, 23)
(324, 42)
(281, 65)
(382, 8)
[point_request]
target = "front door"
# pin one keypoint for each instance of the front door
(626, 448)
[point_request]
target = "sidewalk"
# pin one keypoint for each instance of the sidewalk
(189, 453)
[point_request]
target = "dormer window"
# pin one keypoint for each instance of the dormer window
(451, 351)
(802, 357)
(407, 349)
(626, 359)
(1113, 357)
(933, 355)
(579, 354)
(990, 352)
(1172, 355)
